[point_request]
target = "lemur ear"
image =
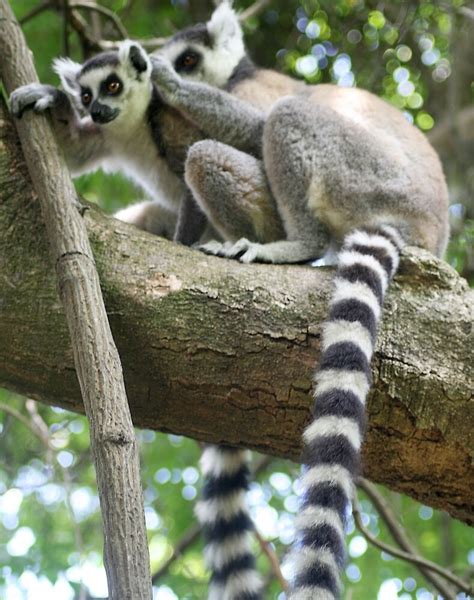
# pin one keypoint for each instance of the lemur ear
(131, 54)
(68, 70)
(224, 28)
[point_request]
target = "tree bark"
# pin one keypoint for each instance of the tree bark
(224, 352)
(96, 359)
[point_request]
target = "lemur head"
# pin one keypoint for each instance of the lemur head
(110, 86)
(208, 51)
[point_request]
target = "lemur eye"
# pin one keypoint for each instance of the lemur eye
(187, 61)
(190, 60)
(113, 87)
(86, 97)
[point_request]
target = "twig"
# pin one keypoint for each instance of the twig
(189, 537)
(412, 558)
(266, 548)
(92, 6)
(40, 430)
(148, 44)
(398, 533)
(66, 27)
(35, 12)
(254, 9)
(20, 417)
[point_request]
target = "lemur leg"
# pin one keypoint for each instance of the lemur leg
(232, 190)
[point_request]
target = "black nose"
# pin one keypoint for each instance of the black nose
(101, 113)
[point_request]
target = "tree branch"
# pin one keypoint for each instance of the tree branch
(460, 584)
(96, 359)
(109, 14)
(254, 9)
(399, 535)
(225, 352)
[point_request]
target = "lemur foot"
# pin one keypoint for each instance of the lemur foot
(34, 96)
(243, 250)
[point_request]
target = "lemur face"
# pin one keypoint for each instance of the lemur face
(111, 85)
(210, 51)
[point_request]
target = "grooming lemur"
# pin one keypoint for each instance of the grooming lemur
(352, 179)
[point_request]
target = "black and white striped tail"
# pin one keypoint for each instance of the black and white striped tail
(367, 262)
(227, 525)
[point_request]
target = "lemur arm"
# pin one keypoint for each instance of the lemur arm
(80, 139)
(217, 113)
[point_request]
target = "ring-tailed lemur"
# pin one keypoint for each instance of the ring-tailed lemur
(347, 172)
(110, 116)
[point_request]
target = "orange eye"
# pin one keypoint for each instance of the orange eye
(86, 98)
(113, 87)
(190, 60)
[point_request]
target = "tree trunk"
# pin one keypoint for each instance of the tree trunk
(224, 352)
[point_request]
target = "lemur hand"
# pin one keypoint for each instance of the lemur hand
(36, 97)
(168, 81)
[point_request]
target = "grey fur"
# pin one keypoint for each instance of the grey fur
(232, 189)
(336, 159)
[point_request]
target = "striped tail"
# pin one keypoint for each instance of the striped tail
(332, 442)
(227, 525)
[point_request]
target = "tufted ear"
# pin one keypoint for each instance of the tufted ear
(225, 30)
(134, 57)
(68, 70)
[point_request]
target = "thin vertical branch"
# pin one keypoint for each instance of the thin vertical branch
(95, 355)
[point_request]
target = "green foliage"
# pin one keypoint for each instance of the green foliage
(50, 529)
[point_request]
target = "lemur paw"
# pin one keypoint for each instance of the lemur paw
(165, 77)
(213, 247)
(243, 250)
(35, 96)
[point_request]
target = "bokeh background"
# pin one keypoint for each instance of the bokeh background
(418, 55)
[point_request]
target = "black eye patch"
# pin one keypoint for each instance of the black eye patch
(187, 61)
(111, 86)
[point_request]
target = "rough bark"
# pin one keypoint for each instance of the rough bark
(224, 352)
(96, 359)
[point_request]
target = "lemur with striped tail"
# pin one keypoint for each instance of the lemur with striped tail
(353, 182)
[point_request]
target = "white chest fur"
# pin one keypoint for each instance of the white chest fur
(132, 151)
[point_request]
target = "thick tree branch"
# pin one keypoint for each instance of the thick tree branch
(224, 352)
(96, 359)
